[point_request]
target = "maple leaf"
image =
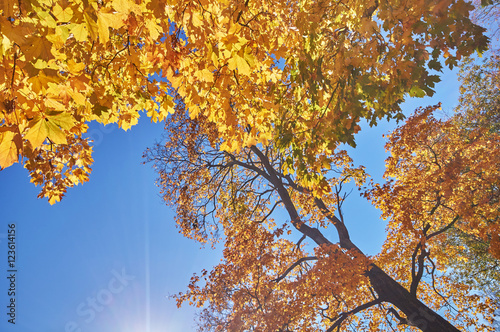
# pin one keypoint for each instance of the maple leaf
(9, 148)
(79, 31)
(40, 48)
(106, 21)
(38, 131)
(62, 14)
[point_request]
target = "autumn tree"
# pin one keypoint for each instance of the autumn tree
(442, 177)
(475, 266)
(478, 107)
(453, 149)
(479, 101)
(269, 282)
(266, 93)
(242, 146)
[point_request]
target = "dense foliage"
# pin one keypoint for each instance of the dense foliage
(262, 96)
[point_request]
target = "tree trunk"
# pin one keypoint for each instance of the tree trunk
(417, 313)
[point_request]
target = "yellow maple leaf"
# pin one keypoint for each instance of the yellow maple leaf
(123, 6)
(91, 26)
(62, 15)
(237, 62)
(54, 104)
(63, 120)
(106, 21)
(197, 19)
(205, 75)
(79, 31)
(74, 67)
(9, 148)
(54, 199)
(37, 132)
(54, 133)
(40, 82)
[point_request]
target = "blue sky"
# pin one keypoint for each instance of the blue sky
(115, 224)
(107, 256)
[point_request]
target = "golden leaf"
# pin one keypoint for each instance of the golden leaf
(62, 15)
(91, 25)
(9, 148)
(37, 132)
(54, 133)
(79, 31)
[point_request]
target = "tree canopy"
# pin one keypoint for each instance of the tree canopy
(301, 73)
(475, 264)
(258, 99)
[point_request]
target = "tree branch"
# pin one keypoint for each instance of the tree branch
(417, 276)
(445, 228)
(402, 320)
(343, 316)
(313, 233)
(300, 261)
(344, 238)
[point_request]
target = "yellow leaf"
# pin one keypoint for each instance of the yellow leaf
(54, 199)
(197, 19)
(57, 39)
(62, 15)
(9, 150)
(205, 75)
(127, 120)
(153, 29)
(41, 81)
(55, 134)
(234, 29)
(74, 67)
(240, 63)
(54, 104)
(103, 25)
(47, 19)
(63, 120)
(91, 26)
(249, 57)
(122, 6)
(37, 132)
(251, 141)
(78, 97)
(79, 31)
(215, 59)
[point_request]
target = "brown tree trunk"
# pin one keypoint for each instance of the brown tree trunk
(417, 313)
